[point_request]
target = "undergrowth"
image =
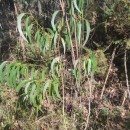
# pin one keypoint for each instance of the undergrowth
(64, 73)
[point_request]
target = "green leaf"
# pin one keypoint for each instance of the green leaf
(14, 78)
(10, 76)
(56, 85)
(27, 87)
(26, 73)
(38, 37)
(56, 60)
(29, 32)
(51, 32)
(28, 28)
(67, 39)
(72, 10)
(84, 67)
(27, 22)
(32, 95)
(19, 26)
(21, 84)
(64, 45)
(22, 71)
(53, 20)
(76, 6)
(1, 70)
(79, 26)
(88, 32)
(6, 72)
(89, 66)
(55, 38)
(32, 73)
(36, 34)
(45, 88)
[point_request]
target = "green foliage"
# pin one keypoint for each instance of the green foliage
(31, 82)
(69, 34)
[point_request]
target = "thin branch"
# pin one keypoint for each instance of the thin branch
(126, 75)
(104, 86)
(90, 99)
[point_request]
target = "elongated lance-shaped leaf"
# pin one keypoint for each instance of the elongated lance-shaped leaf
(21, 84)
(64, 44)
(45, 88)
(38, 90)
(19, 26)
(6, 73)
(36, 34)
(88, 32)
(14, 78)
(53, 20)
(67, 39)
(72, 9)
(32, 73)
(28, 27)
(84, 67)
(89, 66)
(81, 4)
(1, 69)
(55, 39)
(32, 95)
(10, 76)
(27, 22)
(38, 37)
(36, 76)
(29, 32)
(22, 71)
(57, 70)
(18, 74)
(50, 31)
(56, 60)
(26, 74)
(79, 27)
(26, 90)
(56, 85)
(41, 41)
(47, 43)
(76, 6)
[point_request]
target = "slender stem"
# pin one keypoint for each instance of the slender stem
(109, 70)
(71, 43)
(126, 75)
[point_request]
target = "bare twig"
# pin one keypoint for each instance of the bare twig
(90, 99)
(109, 69)
(71, 43)
(126, 75)
(62, 4)
(76, 44)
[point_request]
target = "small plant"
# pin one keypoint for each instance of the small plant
(68, 35)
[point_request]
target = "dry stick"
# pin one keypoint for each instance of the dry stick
(126, 75)
(113, 55)
(90, 97)
(62, 75)
(62, 6)
(72, 49)
(76, 39)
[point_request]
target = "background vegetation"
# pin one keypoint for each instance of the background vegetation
(64, 64)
